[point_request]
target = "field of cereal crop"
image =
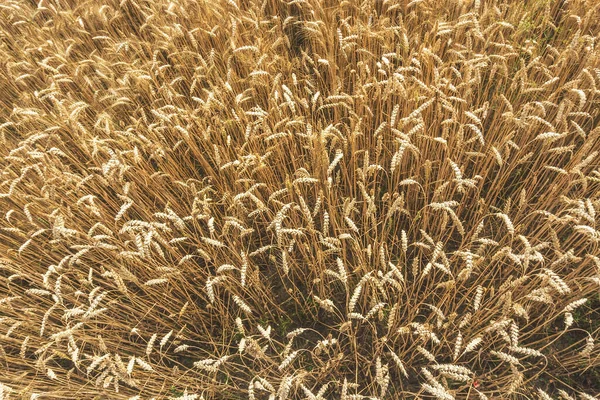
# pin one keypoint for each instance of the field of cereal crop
(299, 199)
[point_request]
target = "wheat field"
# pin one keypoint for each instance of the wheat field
(299, 199)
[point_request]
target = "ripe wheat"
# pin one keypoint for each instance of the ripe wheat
(299, 199)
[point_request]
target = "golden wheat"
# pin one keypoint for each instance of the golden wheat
(274, 199)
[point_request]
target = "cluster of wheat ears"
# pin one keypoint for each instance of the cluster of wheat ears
(306, 199)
